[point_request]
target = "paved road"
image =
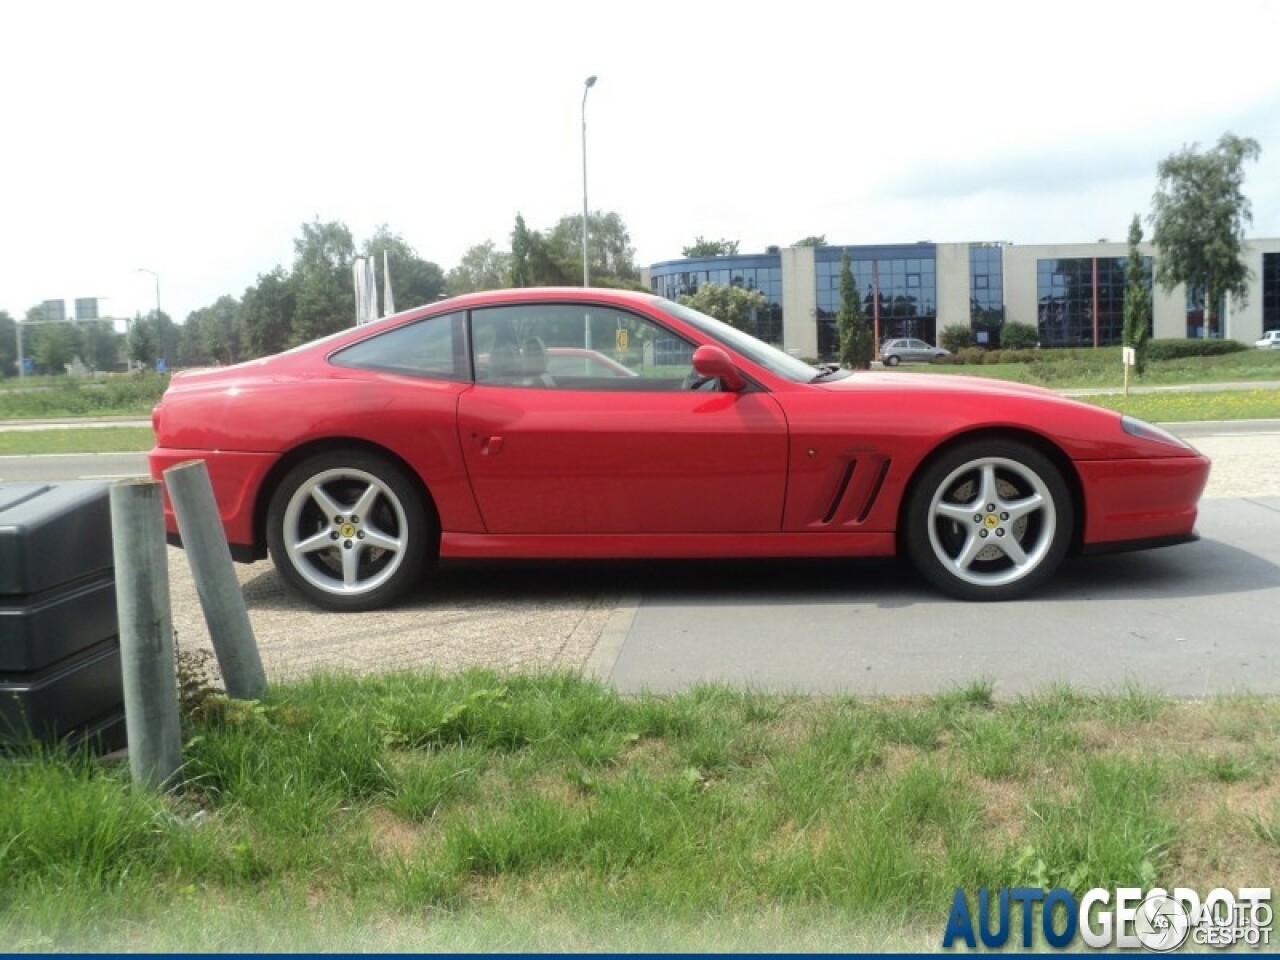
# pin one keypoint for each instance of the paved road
(1189, 620)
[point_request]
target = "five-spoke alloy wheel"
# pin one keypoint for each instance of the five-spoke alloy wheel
(349, 530)
(989, 520)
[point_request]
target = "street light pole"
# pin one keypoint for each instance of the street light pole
(586, 268)
(157, 278)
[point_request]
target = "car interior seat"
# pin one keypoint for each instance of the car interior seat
(505, 364)
(534, 353)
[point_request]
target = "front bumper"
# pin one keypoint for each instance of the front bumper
(1141, 502)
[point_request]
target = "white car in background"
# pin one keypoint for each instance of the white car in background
(1270, 339)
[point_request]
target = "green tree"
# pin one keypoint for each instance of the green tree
(1199, 214)
(142, 341)
(711, 248)
(99, 345)
(266, 313)
(736, 306)
(53, 348)
(819, 240)
(856, 348)
(535, 262)
(609, 247)
(326, 300)
(8, 345)
(1137, 300)
(218, 331)
(483, 267)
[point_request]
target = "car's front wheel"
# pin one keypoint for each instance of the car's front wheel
(349, 530)
(989, 520)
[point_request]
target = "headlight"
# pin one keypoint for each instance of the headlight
(1147, 431)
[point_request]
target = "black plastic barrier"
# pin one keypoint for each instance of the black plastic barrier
(59, 639)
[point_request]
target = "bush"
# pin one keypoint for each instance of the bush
(976, 355)
(1019, 336)
(955, 337)
(1178, 349)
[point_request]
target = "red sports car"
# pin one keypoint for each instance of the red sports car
(359, 459)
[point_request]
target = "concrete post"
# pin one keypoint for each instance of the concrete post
(146, 633)
(211, 567)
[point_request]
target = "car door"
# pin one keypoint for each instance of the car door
(606, 451)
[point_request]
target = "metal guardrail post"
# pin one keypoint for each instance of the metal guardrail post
(146, 632)
(211, 567)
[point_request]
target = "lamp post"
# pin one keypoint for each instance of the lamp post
(586, 268)
(157, 278)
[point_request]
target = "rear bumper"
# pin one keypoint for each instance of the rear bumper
(1130, 504)
(236, 479)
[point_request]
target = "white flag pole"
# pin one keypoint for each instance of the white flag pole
(388, 301)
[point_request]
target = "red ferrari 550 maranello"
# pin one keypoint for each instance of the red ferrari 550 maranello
(596, 423)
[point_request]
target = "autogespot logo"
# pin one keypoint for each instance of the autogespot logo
(1157, 920)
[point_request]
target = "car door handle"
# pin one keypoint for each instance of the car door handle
(491, 446)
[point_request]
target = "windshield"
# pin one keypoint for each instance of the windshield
(757, 351)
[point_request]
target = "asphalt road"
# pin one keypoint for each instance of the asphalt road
(1190, 620)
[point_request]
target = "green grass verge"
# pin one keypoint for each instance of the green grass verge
(425, 813)
(76, 440)
(1183, 406)
(1063, 369)
(116, 395)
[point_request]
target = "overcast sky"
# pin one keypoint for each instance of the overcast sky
(195, 139)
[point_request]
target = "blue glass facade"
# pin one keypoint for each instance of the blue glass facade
(1270, 291)
(762, 272)
(986, 293)
(897, 282)
(1066, 300)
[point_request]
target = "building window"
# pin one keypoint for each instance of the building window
(1071, 312)
(898, 287)
(761, 272)
(986, 292)
(1196, 318)
(1270, 291)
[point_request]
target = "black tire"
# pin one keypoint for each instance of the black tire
(989, 520)
(368, 548)
(892, 361)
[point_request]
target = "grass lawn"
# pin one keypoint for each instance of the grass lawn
(73, 440)
(479, 812)
(1063, 369)
(1182, 406)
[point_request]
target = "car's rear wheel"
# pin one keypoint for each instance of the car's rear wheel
(349, 530)
(989, 520)
(892, 361)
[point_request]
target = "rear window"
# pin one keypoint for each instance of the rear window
(434, 348)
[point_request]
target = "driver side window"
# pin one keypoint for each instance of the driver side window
(577, 347)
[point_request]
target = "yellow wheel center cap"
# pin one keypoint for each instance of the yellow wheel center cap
(347, 530)
(991, 521)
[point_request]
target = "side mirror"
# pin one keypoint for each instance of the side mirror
(711, 361)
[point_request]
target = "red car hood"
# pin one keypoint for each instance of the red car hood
(937, 383)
